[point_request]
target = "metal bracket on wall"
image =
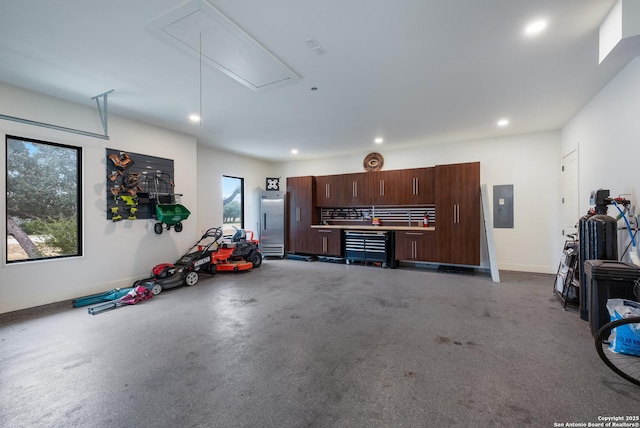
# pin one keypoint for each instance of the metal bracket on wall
(103, 119)
(104, 114)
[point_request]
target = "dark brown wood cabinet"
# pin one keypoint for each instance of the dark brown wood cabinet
(301, 214)
(453, 189)
(415, 245)
(355, 190)
(415, 186)
(329, 191)
(396, 187)
(382, 188)
(457, 198)
(401, 187)
(326, 242)
(343, 190)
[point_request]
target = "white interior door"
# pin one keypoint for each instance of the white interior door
(570, 193)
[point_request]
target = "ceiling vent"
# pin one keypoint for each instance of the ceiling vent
(203, 31)
(315, 46)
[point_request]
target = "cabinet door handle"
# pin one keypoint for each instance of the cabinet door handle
(327, 190)
(355, 189)
(297, 213)
(381, 187)
(417, 186)
(414, 233)
(324, 244)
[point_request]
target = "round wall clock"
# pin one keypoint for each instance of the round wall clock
(373, 162)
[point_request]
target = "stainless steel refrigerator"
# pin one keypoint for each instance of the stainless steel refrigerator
(272, 224)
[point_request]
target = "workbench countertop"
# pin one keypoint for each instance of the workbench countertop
(370, 227)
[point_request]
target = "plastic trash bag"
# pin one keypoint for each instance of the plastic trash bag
(624, 339)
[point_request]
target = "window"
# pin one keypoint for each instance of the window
(232, 203)
(44, 200)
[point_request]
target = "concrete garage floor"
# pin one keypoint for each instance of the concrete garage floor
(312, 344)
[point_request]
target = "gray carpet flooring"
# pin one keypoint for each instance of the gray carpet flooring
(313, 344)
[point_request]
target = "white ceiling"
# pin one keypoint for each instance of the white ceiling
(412, 71)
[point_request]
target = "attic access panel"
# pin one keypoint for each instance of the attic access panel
(224, 45)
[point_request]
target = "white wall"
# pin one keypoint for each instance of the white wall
(115, 254)
(606, 133)
(530, 162)
(212, 165)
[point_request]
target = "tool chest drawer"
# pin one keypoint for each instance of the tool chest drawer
(368, 247)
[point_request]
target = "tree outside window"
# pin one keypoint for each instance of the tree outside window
(232, 203)
(43, 211)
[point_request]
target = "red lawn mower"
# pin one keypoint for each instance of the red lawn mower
(208, 255)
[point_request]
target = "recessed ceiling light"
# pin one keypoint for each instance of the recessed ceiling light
(194, 118)
(535, 27)
(294, 151)
(503, 122)
(379, 140)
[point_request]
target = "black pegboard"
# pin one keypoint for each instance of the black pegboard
(134, 182)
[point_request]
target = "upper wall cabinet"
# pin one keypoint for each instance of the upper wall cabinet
(401, 187)
(342, 190)
(395, 187)
(415, 186)
(355, 189)
(329, 191)
(383, 188)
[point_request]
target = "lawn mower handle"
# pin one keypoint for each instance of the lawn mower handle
(213, 232)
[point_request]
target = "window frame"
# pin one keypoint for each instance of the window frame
(241, 199)
(78, 150)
